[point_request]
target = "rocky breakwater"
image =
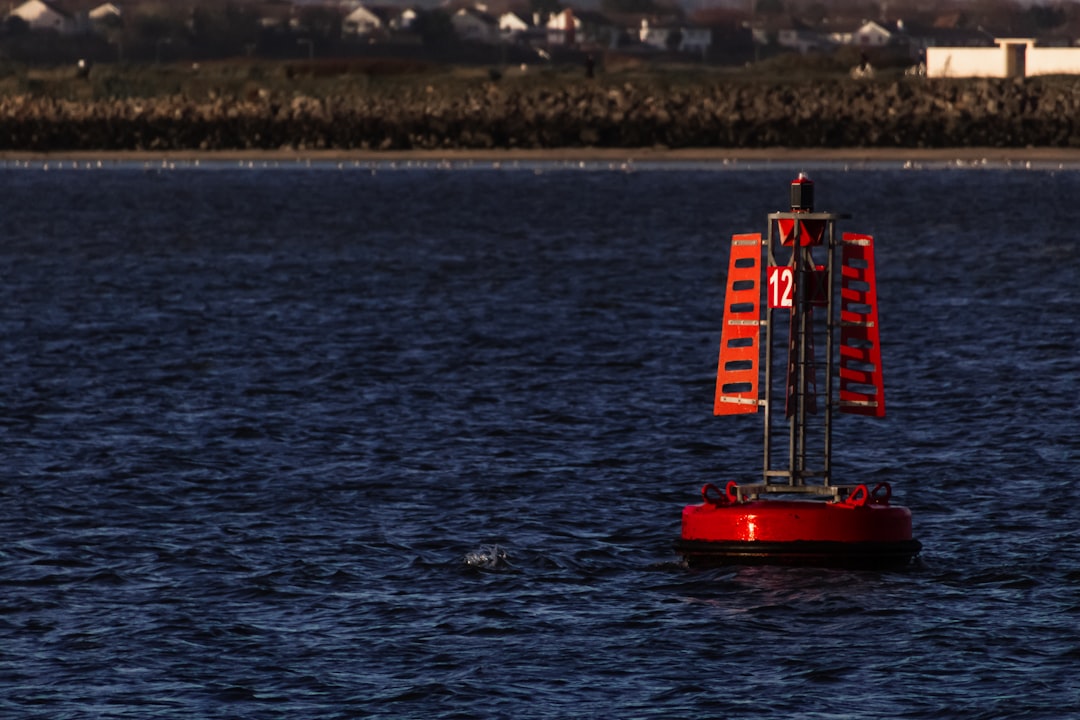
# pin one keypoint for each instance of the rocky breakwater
(604, 113)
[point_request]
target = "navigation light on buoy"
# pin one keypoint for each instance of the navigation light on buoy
(802, 194)
(798, 513)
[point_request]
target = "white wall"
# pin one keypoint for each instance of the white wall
(1052, 61)
(965, 62)
(993, 62)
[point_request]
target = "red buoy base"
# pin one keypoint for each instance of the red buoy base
(860, 531)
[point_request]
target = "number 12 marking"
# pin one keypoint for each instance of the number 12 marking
(781, 286)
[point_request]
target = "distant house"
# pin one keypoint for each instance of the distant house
(404, 20)
(106, 13)
(654, 35)
(362, 22)
(679, 37)
(581, 27)
(866, 34)
(41, 15)
(512, 25)
(562, 28)
(475, 25)
(595, 28)
(789, 34)
(278, 18)
(371, 21)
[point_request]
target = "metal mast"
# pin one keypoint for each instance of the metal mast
(804, 257)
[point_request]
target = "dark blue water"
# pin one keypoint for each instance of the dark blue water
(366, 441)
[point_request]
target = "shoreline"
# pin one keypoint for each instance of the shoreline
(777, 155)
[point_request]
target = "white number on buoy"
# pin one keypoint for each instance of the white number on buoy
(781, 285)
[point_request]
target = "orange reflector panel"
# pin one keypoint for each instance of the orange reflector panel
(862, 391)
(737, 374)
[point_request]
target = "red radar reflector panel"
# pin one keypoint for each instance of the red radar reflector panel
(737, 374)
(811, 232)
(862, 391)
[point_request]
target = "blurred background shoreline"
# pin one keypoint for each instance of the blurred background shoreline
(966, 155)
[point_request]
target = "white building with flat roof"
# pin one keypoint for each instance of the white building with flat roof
(1012, 57)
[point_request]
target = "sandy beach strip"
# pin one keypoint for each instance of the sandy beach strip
(1040, 155)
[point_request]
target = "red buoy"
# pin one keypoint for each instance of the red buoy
(798, 513)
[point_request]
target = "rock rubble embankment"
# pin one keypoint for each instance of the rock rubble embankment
(910, 113)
